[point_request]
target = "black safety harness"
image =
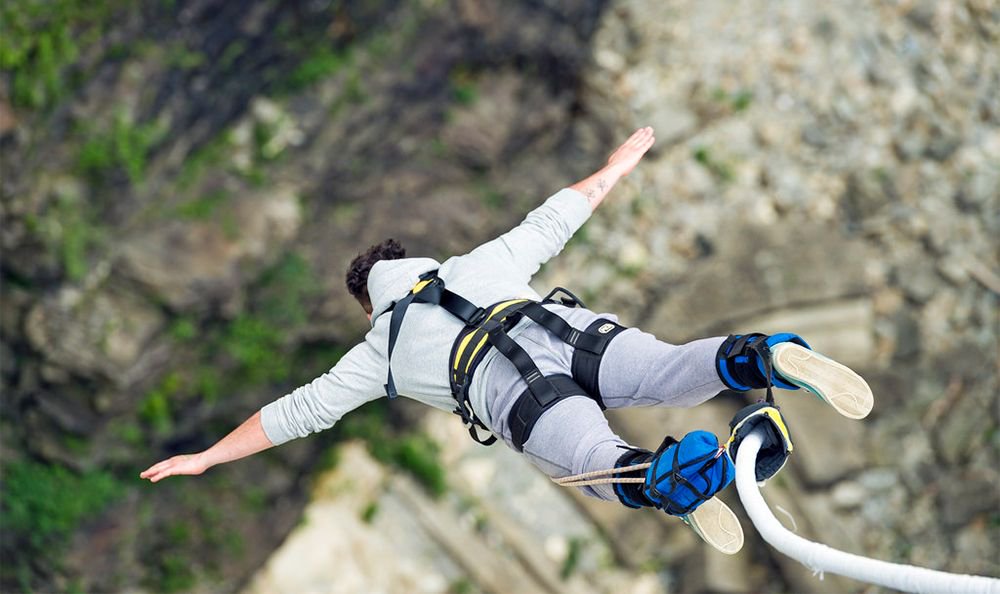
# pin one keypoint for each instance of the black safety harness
(487, 327)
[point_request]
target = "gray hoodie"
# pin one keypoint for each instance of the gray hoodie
(495, 271)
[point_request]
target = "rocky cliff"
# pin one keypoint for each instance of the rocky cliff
(184, 183)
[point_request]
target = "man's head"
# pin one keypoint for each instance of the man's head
(357, 273)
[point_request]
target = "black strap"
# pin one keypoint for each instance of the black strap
(586, 366)
(665, 501)
(570, 300)
(592, 343)
(469, 358)
(522, 361)
(396, 322)
(531, 405)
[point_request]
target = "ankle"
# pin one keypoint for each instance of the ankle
(630, 494)
(744, 360)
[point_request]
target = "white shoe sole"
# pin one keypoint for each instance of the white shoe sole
(717, 525)
(836, 384)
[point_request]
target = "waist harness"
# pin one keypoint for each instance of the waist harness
(487, 327)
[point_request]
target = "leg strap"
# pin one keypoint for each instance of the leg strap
(587, 364)
(533, 402)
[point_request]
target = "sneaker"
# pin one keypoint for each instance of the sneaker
(717, 525)
(834, 383)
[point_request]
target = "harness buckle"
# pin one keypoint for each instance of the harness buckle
(478, 317)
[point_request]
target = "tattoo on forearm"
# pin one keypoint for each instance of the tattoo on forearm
(591, 194)
(603, 185)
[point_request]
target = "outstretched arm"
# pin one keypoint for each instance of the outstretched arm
(620, 163)
(545, 231)
(249, 438)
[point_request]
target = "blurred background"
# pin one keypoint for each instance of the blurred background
(185, 181)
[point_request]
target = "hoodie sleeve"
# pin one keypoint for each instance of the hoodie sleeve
(316, 406)
(542, 234)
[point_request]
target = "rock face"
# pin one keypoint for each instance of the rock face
(182, 194)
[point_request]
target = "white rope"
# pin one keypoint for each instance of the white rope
(820, 558)
(576, 478)
(603, 481)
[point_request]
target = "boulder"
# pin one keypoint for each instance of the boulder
(761, 273)
(104, 332)
(194, 265)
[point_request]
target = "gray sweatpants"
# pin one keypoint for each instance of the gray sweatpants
(637, 370)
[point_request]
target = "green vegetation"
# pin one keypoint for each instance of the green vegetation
(491, 197)
(741, 100)
(201, 527)
(156, 409)
(198, 161)
(419, 455)
(125, 147)
(40, 39)
(719, 169)
(172, 572)
(128, 432)
(183, 329)
(323, 62)
(462, 586)
(42, 506)
(255, 343)
(572, 559)
(203, 207)
(736, 101)
(180, 56)
(69, 231)
(284, 288)
(410, 451)
(369, 512)
(78, 235)
(255, 340)
(463, 86)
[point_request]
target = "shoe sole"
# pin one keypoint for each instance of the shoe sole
(717, 525)
(834, 383)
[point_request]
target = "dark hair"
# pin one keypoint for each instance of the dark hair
(357, 273)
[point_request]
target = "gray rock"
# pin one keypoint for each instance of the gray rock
(828, 447)
(967, 496)
(195, 265)
(965, 425)
(104, 332)
(843, 330)
(848, 495)
(772, 271)
(816, 136)
(672, 121)
(867, 194)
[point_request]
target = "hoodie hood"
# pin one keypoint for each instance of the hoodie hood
(391, 280)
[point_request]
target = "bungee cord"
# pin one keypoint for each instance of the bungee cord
(821, 558)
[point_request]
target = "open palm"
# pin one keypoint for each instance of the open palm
(628, 155)
(186, 464)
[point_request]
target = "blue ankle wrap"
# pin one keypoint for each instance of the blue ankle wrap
(741, 367)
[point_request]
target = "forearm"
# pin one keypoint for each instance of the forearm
(247, 439)
(597, 186)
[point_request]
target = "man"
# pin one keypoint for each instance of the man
(470, 336)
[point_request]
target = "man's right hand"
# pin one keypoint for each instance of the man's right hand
(186, 464)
